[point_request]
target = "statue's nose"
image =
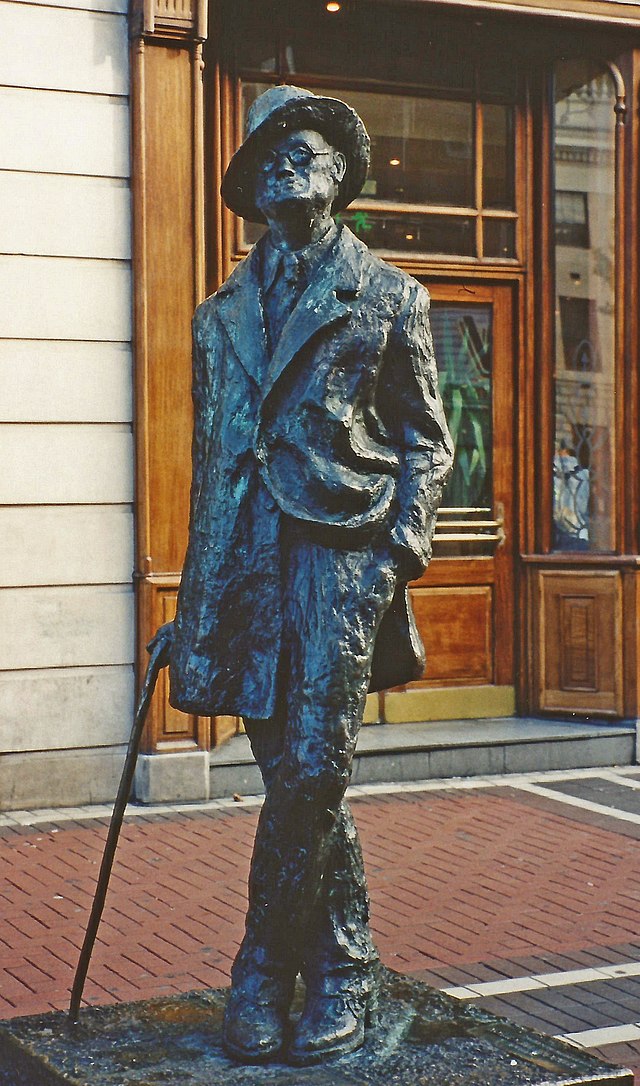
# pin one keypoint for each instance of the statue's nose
(284, 166)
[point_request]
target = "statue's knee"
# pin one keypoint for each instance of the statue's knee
(323, 785)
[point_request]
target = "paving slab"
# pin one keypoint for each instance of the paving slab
(600, 790)
(424, 1038)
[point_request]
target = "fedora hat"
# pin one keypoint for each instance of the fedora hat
(288, 109)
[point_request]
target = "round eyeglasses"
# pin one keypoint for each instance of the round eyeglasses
(301, 155)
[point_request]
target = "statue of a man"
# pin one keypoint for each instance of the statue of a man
(319, 454)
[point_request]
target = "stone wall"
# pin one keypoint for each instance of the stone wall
(66, 485)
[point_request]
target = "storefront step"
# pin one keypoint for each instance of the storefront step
(456, 748)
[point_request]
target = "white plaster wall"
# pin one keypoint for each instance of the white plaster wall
(66, 448)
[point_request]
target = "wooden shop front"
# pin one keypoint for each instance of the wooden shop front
(504, 176)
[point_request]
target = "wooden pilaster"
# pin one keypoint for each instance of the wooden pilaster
(168, 217)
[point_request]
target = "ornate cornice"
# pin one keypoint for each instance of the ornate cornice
(182, 20)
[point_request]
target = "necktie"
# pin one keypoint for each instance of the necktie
(285, 292)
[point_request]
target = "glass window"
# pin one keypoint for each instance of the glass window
(443, 234)
(423, 157)
(584, 161)
(498, 188)
(421, 148)
(463, 347)
(499, 238)
(442, 125)
(462, 338)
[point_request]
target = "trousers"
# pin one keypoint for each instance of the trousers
(308, 905)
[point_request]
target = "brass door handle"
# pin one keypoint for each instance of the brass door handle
(502, 535)
(482, 529)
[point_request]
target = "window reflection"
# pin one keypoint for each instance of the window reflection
(445, 234)
(498, 159)
(584, 156)
(499, 238)
(572, 219)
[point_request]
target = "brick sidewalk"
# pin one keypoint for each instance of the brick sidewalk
(468, 885)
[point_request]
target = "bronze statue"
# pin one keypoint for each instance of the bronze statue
(320, 451)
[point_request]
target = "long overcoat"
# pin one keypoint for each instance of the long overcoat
(341, 428)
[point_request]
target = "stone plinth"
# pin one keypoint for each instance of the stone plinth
(424, 1038)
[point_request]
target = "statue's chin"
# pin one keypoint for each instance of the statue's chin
(292, 204)
(295, 207)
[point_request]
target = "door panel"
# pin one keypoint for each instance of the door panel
(464, 603)
(462, 651)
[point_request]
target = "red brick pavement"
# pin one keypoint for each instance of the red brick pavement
(464, 884)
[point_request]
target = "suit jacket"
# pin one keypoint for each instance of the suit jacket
(342, 428)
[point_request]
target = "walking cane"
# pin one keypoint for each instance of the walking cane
(158, 649)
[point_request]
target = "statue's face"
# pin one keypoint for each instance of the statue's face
(301, 171)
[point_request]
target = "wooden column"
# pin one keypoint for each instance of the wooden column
(168, 223)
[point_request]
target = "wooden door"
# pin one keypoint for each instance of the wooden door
(464, 604)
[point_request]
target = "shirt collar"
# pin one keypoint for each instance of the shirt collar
(310, 256)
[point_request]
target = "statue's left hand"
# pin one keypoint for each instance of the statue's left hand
(162, 638)
(408, 565)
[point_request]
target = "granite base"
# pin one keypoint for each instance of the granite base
(424, 1038)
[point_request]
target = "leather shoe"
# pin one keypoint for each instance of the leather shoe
(333, 1023)
(255, 1022)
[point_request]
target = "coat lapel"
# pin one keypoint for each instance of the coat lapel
(241, 312)
(326, 300)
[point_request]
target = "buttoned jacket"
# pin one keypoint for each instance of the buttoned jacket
(341, 428)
